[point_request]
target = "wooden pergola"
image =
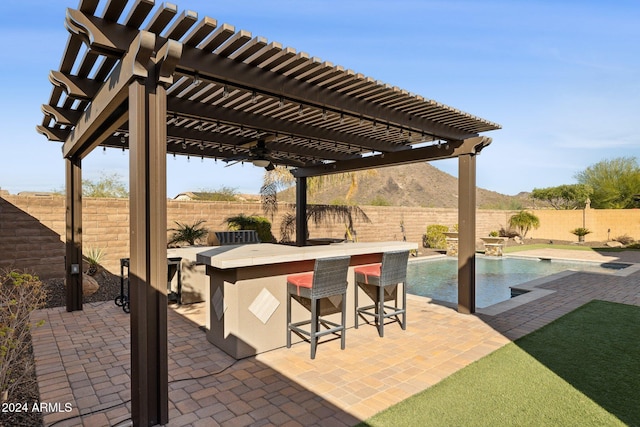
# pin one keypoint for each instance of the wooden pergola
(157, 81)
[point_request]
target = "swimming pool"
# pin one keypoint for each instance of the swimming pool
(438, 279)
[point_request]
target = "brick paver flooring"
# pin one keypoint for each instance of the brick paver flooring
(83, 358)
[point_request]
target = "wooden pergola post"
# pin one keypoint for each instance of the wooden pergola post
(148, 239)
(467, 233)
(73, 241)
(148, 263)
(301, 211)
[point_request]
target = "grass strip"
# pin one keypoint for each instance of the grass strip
(580, 370)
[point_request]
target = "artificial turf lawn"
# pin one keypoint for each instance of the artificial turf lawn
(583, 369)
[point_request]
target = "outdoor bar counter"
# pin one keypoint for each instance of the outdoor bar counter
(248, 291)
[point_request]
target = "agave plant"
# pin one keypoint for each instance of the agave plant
(188, 233)
(94, 257)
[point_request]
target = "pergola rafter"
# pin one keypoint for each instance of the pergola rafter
(155, 81)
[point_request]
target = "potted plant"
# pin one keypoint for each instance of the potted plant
(580, 232)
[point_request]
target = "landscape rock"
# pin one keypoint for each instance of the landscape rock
(89, 285)
(614, 244)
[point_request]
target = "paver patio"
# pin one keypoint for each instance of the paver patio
(83, 358)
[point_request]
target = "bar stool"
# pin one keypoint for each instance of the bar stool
(315, 291)
(380, 282)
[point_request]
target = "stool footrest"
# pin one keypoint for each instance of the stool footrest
(335, 327)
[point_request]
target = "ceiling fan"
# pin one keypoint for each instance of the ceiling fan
(259, 154)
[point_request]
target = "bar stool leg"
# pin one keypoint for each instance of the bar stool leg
(343, 331)
(356, 302)
(381, 311)
(404, 306)
(288, 320)
(314, 327)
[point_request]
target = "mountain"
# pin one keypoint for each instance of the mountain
(418, 184)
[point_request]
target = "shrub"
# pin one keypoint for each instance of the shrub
(379, 201)
(258, 223)
(625, 239)
(435, 238)
(494, 234)
(189, 234)
(20, 293)
(508, 233)
(580, 231)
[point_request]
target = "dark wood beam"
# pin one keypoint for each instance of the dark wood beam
(286, 127)
(432, 152)
(467, 233)
(107, 111)
(73, 241)
(301, 211)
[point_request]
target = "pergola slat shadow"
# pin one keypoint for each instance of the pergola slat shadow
(189, 86)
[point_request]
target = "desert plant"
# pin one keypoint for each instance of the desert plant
(188, 233)
(258, 223)
(494, 234)
(507, 232)
(20, 294)
(580, 231)
(379, 201)
(625, 239)
(94, 258)
(524, 221)
(434, 237)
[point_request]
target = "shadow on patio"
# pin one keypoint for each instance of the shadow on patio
(83, 358)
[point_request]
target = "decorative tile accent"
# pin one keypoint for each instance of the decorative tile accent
(218, 304)
(264, 305)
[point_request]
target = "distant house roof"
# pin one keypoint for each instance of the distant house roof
(216, 196)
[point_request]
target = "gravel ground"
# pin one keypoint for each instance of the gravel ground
(109, 289)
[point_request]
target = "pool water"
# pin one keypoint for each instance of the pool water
(438, 279)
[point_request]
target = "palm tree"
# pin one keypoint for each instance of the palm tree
(280, 178)
(189, 233)
(524, 221)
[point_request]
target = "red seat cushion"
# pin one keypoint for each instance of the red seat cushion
(304, 280)
(368, 271)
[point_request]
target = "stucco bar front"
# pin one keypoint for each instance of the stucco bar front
(247, 294)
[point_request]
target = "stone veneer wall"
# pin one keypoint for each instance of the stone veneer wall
(32, 229)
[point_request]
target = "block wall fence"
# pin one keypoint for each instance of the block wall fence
(32, 229)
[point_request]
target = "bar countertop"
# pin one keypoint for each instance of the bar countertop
(237, 256)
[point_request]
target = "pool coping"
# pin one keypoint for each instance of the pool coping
(531, 290)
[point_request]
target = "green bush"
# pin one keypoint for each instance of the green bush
(20, 294)
(435, 238)
(253, 222)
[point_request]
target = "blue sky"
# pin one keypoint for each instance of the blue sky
(561, 77)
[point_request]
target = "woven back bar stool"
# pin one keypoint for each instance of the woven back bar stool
(322, 292)
(380, 282)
